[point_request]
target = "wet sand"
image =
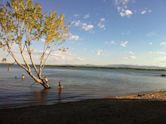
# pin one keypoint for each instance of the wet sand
(140, 108)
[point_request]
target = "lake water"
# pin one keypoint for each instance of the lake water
(78, 84)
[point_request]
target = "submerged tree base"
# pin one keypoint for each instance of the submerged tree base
(46, 86)
(45, 83)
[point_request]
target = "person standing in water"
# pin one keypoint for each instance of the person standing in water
(23, 77)
(60, 86)
(60, 90)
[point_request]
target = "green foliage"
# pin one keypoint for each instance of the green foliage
(22, 22)
(21, 19)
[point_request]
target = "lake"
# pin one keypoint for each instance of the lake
(79, 84)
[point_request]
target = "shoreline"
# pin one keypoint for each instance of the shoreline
(159, 95)
(154, 95)
(148, 95)
(143, 107)
(121, 66)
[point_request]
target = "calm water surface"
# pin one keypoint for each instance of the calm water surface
(78, 84)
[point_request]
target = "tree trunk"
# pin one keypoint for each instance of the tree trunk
(45, 83)
(40, 80)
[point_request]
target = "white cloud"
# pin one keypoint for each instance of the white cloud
(122, 2)
(65, 56)
(124, 43)
(73, 37)
(143, 12)
(76, 15)
(112, 42)
(119, 43)
(87, 27)
(83, 26)
(162, 60)
(163, 43)
(61, 57)
(43, 40)
(86, 16)
(157, 53)
(102, 19)
(122, 8)
(146, 11)
(131, 53)
(131, 56)
(149, 11)
(159, 57)
(101, 23)
(126, 12)
(100, 52)
(56, 57)
(76, 23)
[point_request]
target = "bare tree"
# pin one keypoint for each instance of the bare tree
(21, 24)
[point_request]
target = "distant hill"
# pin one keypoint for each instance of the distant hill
(135, 67)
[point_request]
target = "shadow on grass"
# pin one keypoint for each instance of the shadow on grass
(98, 111)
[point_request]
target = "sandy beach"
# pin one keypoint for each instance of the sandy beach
(153, 95)
(139, 108)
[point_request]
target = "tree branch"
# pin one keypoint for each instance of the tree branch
(23, 57)
(31, 59)
(44, 62)
(41, 59)
(22, 66)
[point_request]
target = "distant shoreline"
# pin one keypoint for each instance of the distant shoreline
(125, 67)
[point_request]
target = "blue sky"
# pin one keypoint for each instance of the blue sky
(114, 31)
(105, 32)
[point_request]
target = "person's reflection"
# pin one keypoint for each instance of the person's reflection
(41, 96)
(60, 91)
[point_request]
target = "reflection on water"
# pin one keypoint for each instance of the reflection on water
(60, 90)
(78, 84)
(41, 96)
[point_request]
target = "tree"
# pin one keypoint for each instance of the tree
(21, 24)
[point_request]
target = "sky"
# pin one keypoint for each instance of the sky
(107, 32)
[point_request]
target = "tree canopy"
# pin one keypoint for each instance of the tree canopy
(23, 22)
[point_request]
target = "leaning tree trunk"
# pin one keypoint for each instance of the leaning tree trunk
(45, 83)
(39, 79)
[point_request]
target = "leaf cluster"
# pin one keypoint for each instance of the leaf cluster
(22, 19)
